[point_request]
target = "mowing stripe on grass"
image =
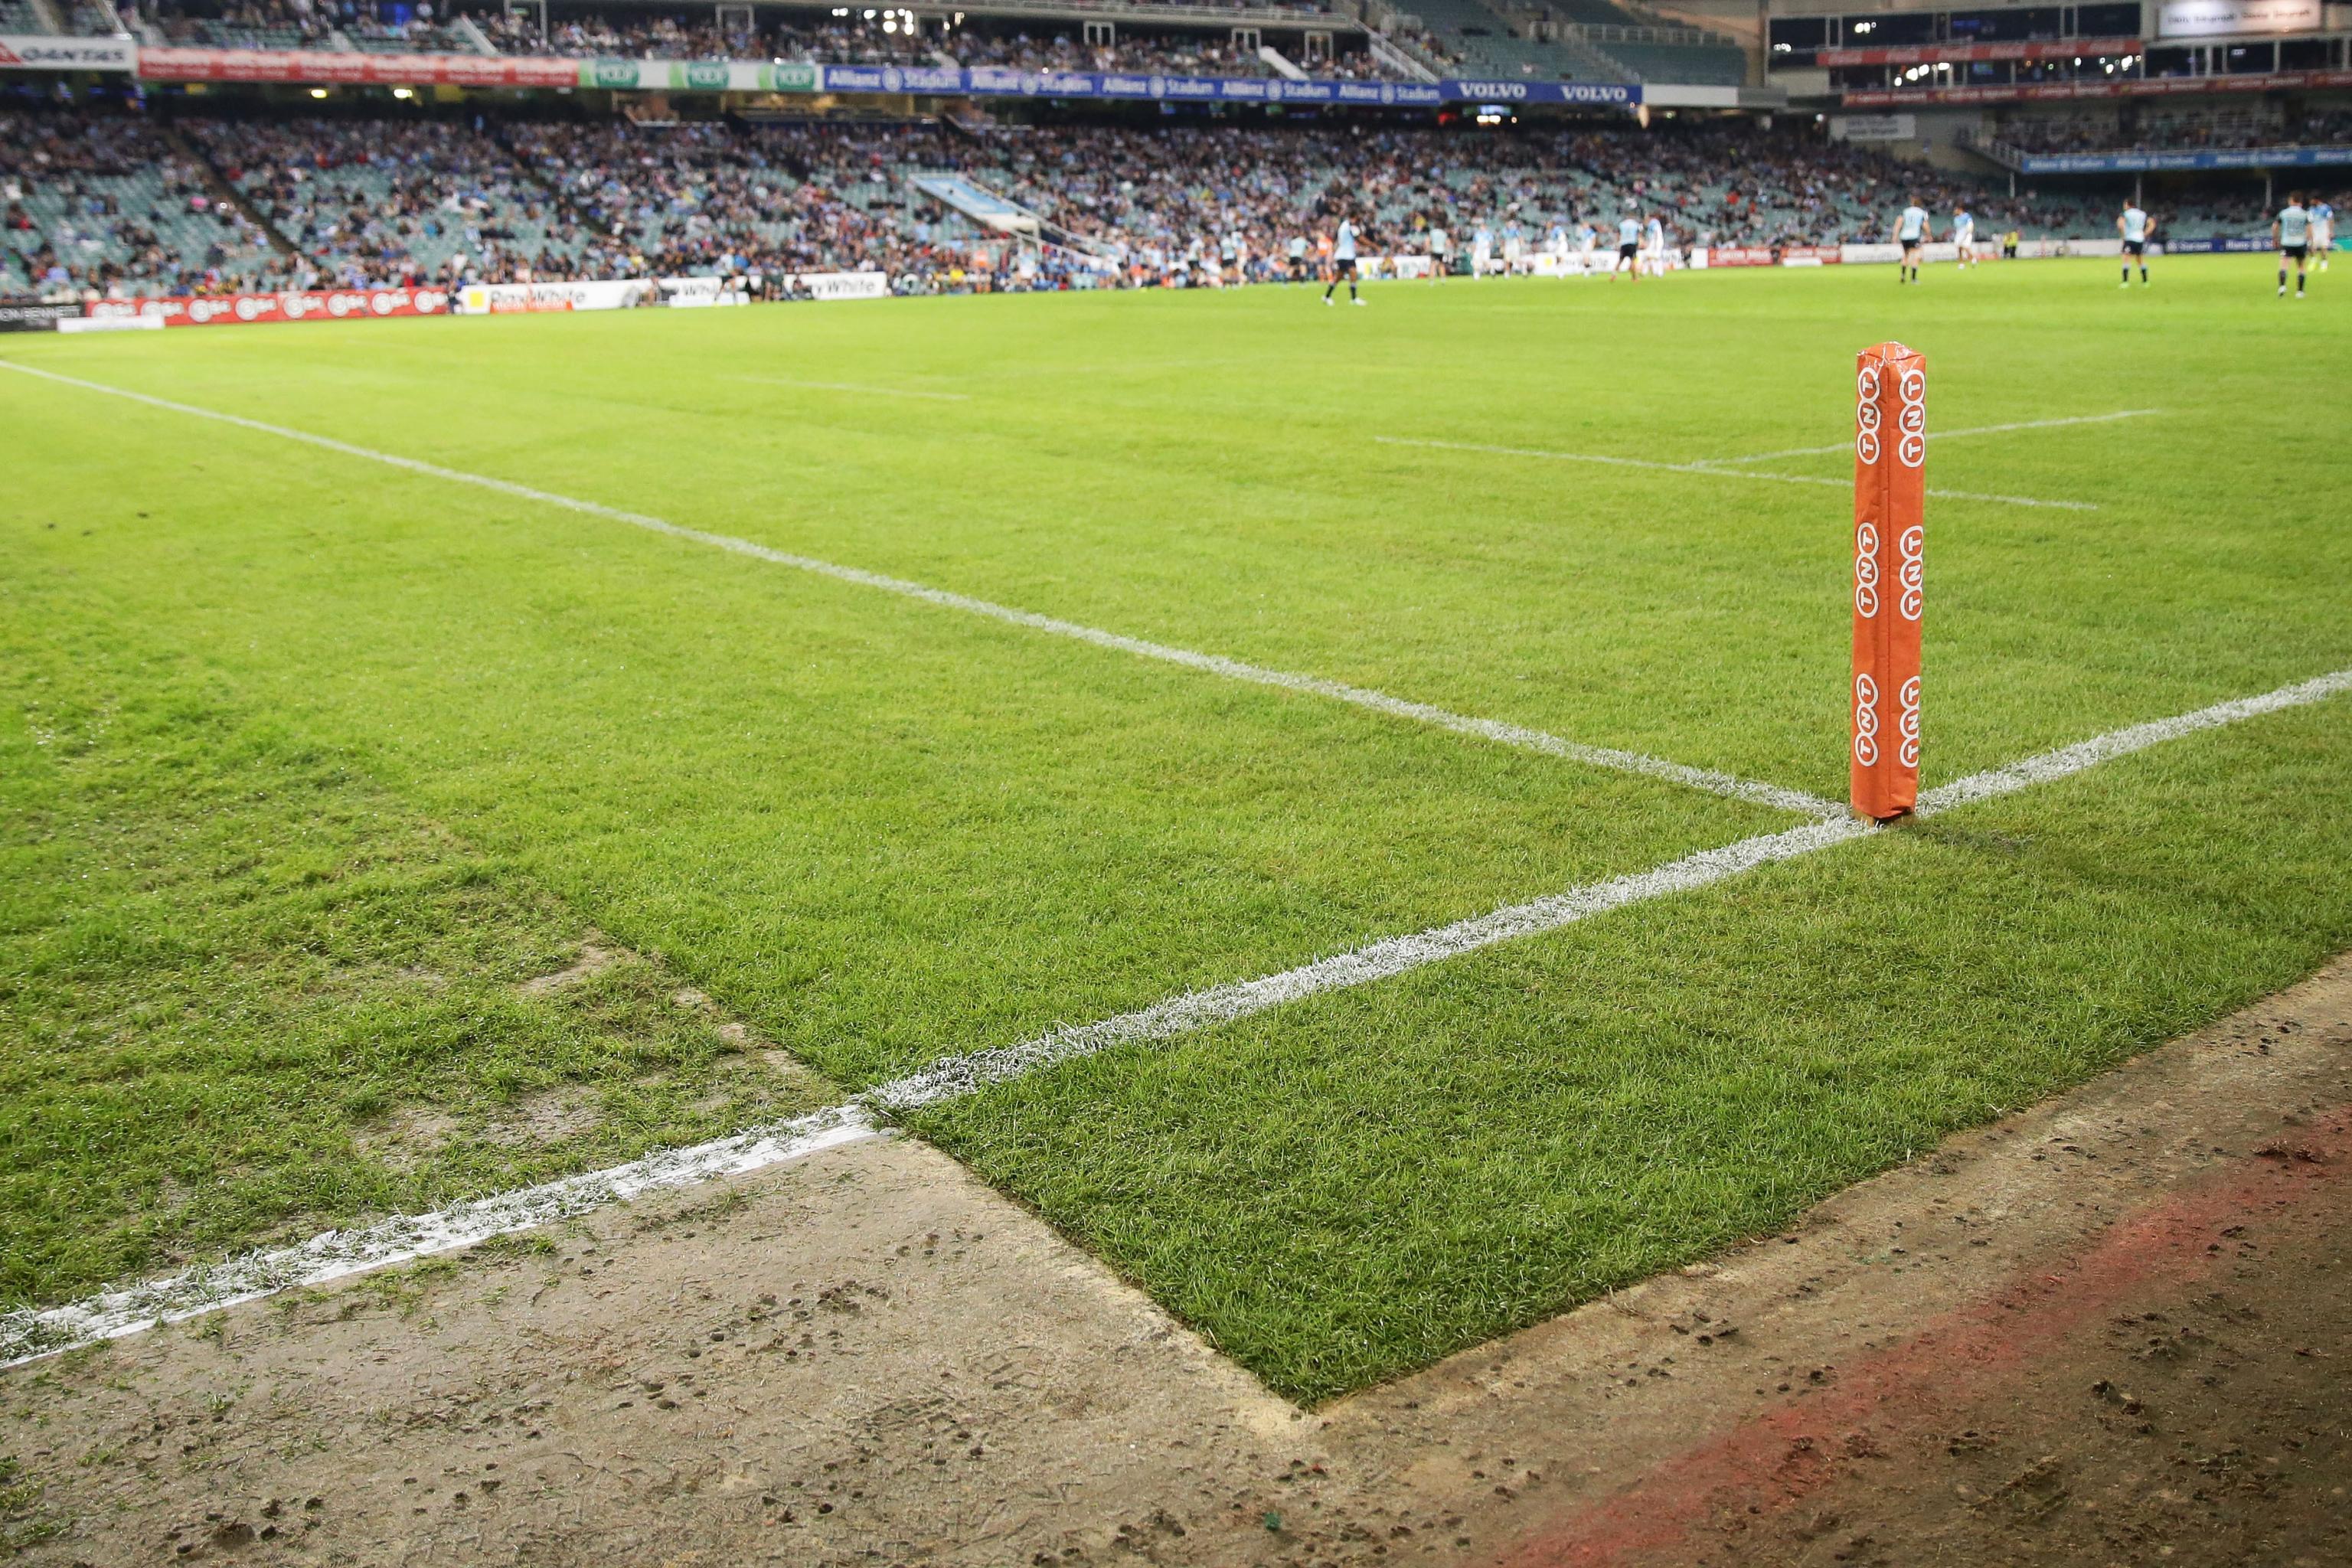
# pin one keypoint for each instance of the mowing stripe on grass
(961, 1076)
(1709, 468)
(1847, 445)
(28, 1335)
(2073, 759)
(1516, 735)
(859, 388)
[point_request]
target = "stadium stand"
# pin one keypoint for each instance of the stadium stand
(385, 202)
(2174, 130)
(242, 24)
(1481, 42)
(86, 18)
(113, 202)
(92, 204)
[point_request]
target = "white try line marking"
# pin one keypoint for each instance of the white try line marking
(859, 388)
(28, 1335)
(1516, 735)
(1711, 471)
(335, 1254)
(1949, 435)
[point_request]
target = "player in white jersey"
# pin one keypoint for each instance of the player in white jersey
(1964, 237)
(1628, 248)
(2138, 228)
(2323, 232)
(1298, 258)
(2291, 232)
(1910, 233)
(1343, 262)
(1482, 250)
(1654, 241)
(1441, 252)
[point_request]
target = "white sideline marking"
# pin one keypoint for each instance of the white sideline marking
(29, 1335)
(859, 388)
(1953, 435)
(960, 1076)
(2073, 759)
(1215, 664)
(1711, 470)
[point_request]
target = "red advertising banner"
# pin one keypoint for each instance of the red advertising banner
(1826, 255)
(1739, 255)
(306, 305)
(2037, 92)
(1933, 54)
(328, 67)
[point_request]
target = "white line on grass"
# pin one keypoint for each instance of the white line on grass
(28, 1335)
(960, 1076)
(1516, 735)
(1949, 435)
(111, 1314)
(1710, 470)
(859, 388)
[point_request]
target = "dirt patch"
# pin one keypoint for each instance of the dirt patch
(2108, 1330)
(596, 956)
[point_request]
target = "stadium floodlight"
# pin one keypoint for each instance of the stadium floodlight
(1890, 454)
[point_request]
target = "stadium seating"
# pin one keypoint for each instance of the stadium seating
(111, 202)
(114, 202)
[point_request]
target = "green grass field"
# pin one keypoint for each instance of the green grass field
(308, 762)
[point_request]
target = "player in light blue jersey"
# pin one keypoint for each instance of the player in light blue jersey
(2323, 232)
(1343, 262)
(1910, 233)
(1628, 248)
(2291, 232)
(1653, 241)
(2138, 228)
(1964, 237)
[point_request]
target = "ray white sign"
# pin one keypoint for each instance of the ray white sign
(2230, 18)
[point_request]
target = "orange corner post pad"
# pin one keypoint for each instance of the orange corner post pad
(1890, 453)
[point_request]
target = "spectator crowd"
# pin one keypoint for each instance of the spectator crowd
(123, 204)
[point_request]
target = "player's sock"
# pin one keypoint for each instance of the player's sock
(2143, 276)
(2127, 274)
(2282, 282)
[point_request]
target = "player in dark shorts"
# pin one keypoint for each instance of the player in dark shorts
(2291, 232)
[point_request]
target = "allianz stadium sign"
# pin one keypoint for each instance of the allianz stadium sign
(329, 67)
